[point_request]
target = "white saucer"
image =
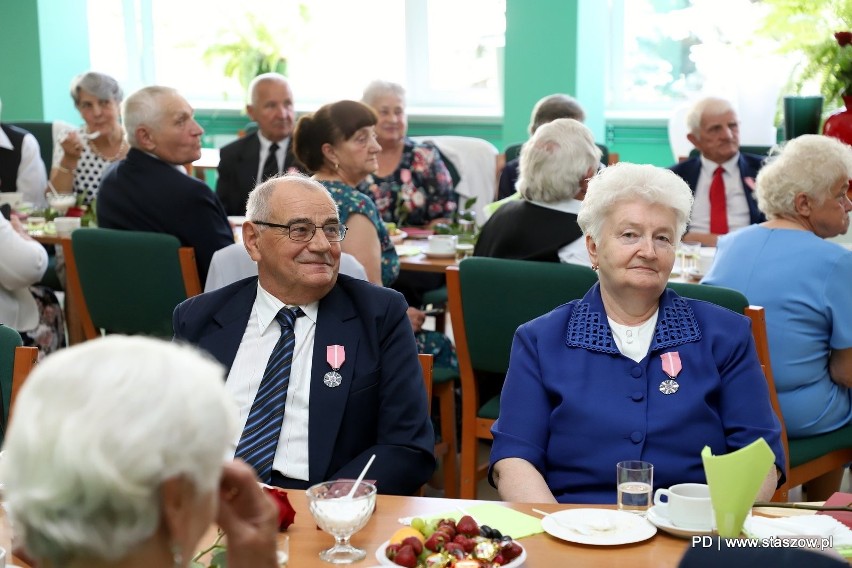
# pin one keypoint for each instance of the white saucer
(431, 254)
(660, 521)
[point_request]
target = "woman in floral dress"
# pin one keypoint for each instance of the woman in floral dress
(338, 144)
(412, 185)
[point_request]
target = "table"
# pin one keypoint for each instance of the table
(421, 262)
(306, 541)
(209, 160)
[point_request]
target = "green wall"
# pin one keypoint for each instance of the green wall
(551, 46)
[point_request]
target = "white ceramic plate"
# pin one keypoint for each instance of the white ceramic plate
(384, 561)
(398, 237)
(662, 522)
(439, 254)
(627, 527)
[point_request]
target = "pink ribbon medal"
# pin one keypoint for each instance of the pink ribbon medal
(671, 367)
(335, 355)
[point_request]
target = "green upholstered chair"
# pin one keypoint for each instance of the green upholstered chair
(729, 298)
(16, 362)
(127, 281)
(489, 298)
(514, 151)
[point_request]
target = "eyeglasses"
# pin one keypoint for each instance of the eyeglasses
(304, 232)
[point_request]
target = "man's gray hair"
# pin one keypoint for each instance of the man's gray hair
(809, 164)
(378, 89)
(712, 105)
(98, 429)
(258, 207)
(556, 160)
(625, 182)
(143, 108)
(99, 85)
(263, 78)
(555, 106)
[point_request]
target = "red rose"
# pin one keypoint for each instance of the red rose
(843, 38)
(286, 513)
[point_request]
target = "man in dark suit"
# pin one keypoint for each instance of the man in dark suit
(246, 162)
(355, 387)
(714, 131)
(149, 190)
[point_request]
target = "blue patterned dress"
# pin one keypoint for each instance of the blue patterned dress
(351, 202)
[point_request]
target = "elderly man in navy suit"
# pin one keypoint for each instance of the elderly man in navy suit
(149, 190)
(252, 159)
(721, 177)
(354, 387)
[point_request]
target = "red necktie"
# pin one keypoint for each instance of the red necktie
(718, 204)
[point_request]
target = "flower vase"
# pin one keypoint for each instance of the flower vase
(839, 124)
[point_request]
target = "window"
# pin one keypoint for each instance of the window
(446, 53)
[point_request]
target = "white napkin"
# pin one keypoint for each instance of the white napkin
(810, 525)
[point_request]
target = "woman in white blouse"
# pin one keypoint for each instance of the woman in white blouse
(32, 310)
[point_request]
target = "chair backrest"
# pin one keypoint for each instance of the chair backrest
(498, 295)
(130, 281)
(758, 150)
(426, 363)
(513, 151)
(729, 298)
(43, 133)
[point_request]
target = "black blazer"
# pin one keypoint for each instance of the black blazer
(238, 164)
(143, 193)
(379, 408)
(749, 165)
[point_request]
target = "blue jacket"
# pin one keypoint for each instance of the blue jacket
(379, 408)
(573, 405)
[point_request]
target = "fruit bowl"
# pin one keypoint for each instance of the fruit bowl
(382, 559)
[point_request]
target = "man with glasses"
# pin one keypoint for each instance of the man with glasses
(354, 386)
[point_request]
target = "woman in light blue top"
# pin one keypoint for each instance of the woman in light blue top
(787, 266)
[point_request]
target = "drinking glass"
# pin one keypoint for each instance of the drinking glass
(341, 516)
(635, 481)
(690, 258)
(61, 203)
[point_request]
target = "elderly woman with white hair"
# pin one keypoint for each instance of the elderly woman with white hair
(411, 185)
(82, 155)
(803, 191)
(631, 371)
(115, 458)
(555, 167)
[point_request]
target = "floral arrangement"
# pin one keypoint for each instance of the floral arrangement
(218, 550)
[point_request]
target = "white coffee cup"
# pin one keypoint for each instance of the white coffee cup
(442, 244)
(65, 225)
(687, 505)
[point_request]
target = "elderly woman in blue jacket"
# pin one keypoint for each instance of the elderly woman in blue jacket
(632, 371)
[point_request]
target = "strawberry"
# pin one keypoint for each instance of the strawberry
(499, 560)
(436, 542)
(414, 543)
(455, 549)
(391, 550)
(406, 557)
(467, 526)
(511, 550)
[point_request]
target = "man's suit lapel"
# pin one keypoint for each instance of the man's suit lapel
(691, 172)
(249, 161)
(232, 319)
(747, 171)
(337, 324)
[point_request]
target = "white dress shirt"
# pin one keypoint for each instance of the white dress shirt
(735, 199)
(259, 339)
(265, 144)
(22, 263)
(32, 175)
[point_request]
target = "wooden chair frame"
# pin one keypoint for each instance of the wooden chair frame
(189, 270)
(25, 359)
(807, 471)
(446, 448)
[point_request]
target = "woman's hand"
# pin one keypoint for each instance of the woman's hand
(248, 517)
(416, 317)
(72, 147)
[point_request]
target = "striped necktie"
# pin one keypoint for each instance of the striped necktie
(260, 437)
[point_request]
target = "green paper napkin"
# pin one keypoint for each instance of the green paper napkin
(734, 481)
(506, 520)
(408, 250)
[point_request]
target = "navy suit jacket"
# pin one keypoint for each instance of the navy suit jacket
(144, 193)
(380, 407)
(749, 165)
(238, 164)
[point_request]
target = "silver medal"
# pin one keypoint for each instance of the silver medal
(332, 379)
(669, 386)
